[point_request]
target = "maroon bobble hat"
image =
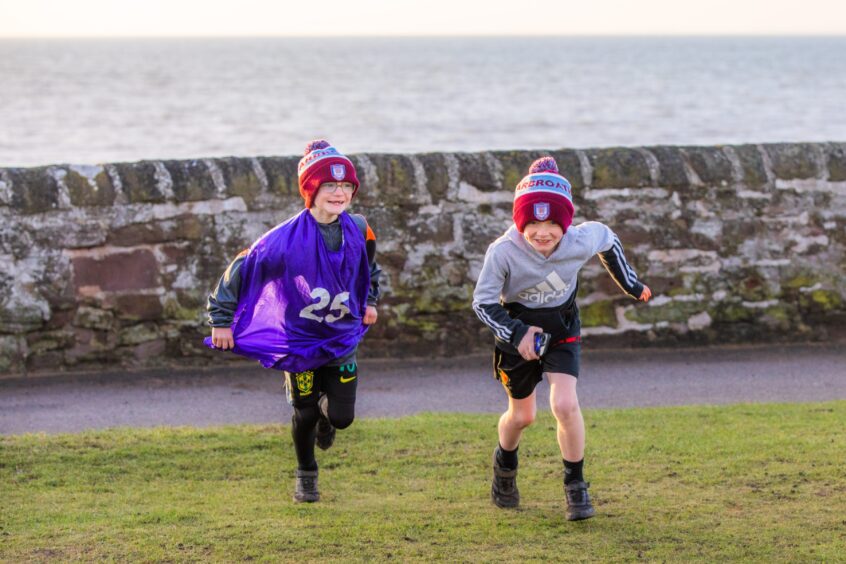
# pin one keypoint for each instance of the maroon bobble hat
(543, 195)
(321, 163)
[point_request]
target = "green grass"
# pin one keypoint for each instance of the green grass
(745, 482)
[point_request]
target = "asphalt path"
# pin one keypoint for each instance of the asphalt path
(240, 393)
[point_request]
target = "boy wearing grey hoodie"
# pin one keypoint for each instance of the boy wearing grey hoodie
(526, 292)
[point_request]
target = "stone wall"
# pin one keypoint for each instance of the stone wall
(111, 264)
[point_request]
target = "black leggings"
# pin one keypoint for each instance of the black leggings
(338, 384)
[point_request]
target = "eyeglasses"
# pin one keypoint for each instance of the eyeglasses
(332, 187)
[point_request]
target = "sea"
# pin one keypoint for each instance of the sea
(87, 101)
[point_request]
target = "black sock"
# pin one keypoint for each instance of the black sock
(302, 429)
(573, 471)
(507, 458)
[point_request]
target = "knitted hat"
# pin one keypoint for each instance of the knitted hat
(543, 195)
(321, 163)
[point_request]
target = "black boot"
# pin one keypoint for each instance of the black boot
(306, 489)
(504, 491)
(578, 501)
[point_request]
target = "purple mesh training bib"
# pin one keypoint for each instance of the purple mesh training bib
(301, 305)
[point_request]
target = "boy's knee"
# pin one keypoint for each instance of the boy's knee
(341, 416)
(522, 419)
(565, 408)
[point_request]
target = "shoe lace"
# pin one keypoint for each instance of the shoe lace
(506, 484)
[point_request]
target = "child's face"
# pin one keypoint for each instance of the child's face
(543, 236)
(332, 198)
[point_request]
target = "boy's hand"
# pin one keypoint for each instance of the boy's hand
(646, 295)
(526, 348)
(370, 315)
(222, 338)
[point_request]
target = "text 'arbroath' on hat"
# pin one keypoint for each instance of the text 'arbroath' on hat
(321, 163)
(543, 195)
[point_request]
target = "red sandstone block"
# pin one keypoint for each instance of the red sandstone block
(117, 271)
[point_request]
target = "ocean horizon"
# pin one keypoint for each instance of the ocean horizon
(86, 101)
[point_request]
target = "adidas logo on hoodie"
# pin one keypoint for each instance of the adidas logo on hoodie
(552, 289)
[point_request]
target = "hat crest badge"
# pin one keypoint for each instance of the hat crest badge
(338, 171)
(541, 210)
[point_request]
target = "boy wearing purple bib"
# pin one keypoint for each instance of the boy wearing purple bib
(527, 288)
(300, 299)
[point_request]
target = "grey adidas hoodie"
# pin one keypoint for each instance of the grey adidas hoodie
(514, 272)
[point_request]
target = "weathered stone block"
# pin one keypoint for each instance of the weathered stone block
(117, 271)
(836, 161)
(43, 341)
(21, 310)
(150, 352)
(671, 165)
(89, 186)
(437, 175)
(732, 312)
(187, 227)
(570, 168)
(821, 301)
(141, 307)
(12, 353)
(15, 239)
(175, 310)
(139, 182)
(45, 361)
(436, 228)
(137, 334)
(619, 168)
(515, 165)
(397, 182)
(90, 346)
(192, 180)
(794, 160)
(598, 314)
(34, 190)
(94, 318)
(475, 169)
(710, 164)
(281, 175)
(240, 178)
(752, 163)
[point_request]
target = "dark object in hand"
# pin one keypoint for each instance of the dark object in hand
(541, 343)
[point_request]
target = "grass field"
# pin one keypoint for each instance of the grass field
(745, 482)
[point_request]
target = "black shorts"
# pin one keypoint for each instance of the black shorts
(338, 382)
(520, 376)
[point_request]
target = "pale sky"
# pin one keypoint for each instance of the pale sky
(127, 18)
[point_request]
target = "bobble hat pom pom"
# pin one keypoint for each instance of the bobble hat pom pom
(322, 163)
(544, 164)
(543, 195)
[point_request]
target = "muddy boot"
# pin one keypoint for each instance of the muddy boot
(504, 485)
(325, 434)
(306, 489)
(578, 501)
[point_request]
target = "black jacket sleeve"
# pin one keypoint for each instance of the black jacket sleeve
(223, 301)
(373, 292)
(614, 261)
